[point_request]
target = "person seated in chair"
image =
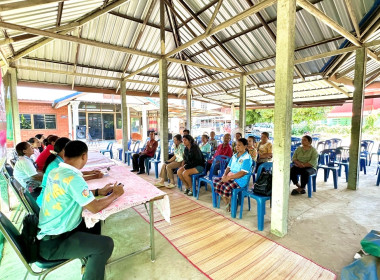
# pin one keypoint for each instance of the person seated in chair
(252, 147)
(174, 162)
(193, 163)
(138, 160)
(186, 132)
(223, 149)
(213, 142)
(40, 161)
(25, 171)
(205, 145)
(236, 174)
(305, 160)
(238, 135)
(63, 233)
(35, 145)
(264, 150)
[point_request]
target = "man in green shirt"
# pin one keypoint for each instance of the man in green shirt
(63, 233)
(305, 160)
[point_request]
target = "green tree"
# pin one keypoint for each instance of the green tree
(309, 115)
(259, 116)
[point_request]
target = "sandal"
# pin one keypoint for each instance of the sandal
(296, 192)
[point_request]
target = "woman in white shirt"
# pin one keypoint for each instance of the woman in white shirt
(24, 171)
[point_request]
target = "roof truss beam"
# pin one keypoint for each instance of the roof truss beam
(25, 4)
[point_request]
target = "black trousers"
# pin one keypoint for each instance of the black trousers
(304, 172)
(81, 243)
(138, 162)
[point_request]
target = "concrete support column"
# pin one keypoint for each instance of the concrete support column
(357, 118)
(70, 120)
(128, 118)
(242, 104)
(188, 109)
(10, 87)
(232, 120)
(124, 115)
(144, 124)
(286, 12)
(75, 105)
(163, 84)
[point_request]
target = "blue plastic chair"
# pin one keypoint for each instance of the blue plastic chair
(120, 150)
(108, 150)
(335, 142)
(208, 179)
(345, 159)
(377, 153)
(259, 199)
(378, 174)
(155, 160)
(366, 147)
(128, 154)
(332, 164)
(236, 193)
(206, 156)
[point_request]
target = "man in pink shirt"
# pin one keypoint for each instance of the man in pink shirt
(223, 149)
(149, 151)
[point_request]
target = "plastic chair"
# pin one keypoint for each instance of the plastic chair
(223, 161)
(332, 164)
(155, 160)
(335, 142)
(108, 150)
(128, 154)
(378, 155)
(378, 174)
(366, 147)
(345, 157)
(236, 193)
(206, 155)
(120, 150)
(260, 200)
(9, 169)
(13, 236)
(31, 203)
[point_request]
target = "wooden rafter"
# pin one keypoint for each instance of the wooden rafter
(353, 18)
(67, 28)
(59, 14)
(272, 35)
(25, 4)
(216, 40)
(177, 41)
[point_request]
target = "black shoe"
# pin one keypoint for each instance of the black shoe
(190, 193)
(134, 170)
(186, 191)
(140, 172)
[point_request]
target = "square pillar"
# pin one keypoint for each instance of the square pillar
(188, 109)
(286, 12)
(124, 115)
(357, 118)
(10, 87)
(242, 104)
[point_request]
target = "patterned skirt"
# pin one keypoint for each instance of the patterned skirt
(224, 188)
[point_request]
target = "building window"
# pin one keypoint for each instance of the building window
(28, 121)
(119, 121)
(82, 118)
(25, 121)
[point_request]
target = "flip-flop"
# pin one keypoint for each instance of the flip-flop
(159, 185)
(228, 207)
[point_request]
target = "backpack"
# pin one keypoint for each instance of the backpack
(263, 185)
(29, 238)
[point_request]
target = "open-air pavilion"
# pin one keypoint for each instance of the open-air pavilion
(243, 54)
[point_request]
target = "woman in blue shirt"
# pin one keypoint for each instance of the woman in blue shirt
(236, 174)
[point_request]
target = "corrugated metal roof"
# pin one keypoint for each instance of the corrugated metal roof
(123, 27)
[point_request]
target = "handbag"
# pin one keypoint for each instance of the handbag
(263, 185)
